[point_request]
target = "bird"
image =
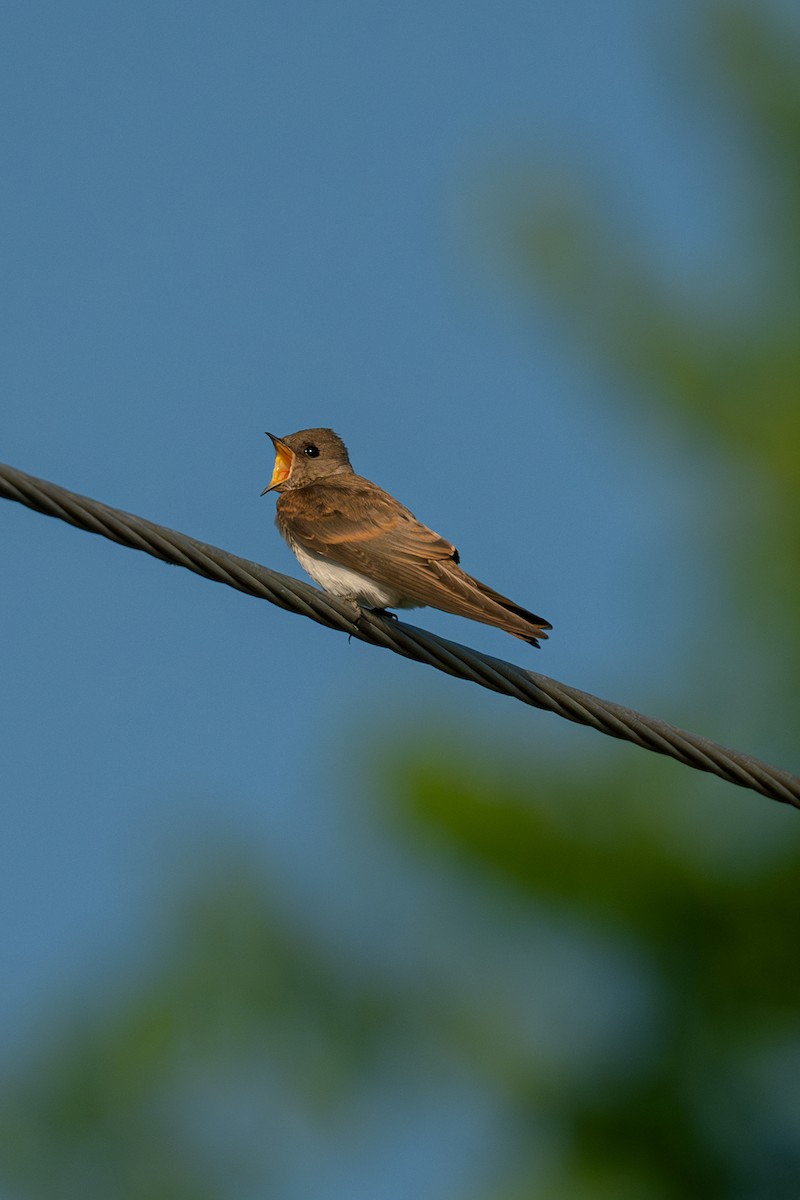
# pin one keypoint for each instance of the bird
(359, 543)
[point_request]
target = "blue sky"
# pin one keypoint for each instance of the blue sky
(217, 220)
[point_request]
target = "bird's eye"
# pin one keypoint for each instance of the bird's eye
(311, 451)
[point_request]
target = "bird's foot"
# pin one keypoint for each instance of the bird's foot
(384, 612)
(375, 612)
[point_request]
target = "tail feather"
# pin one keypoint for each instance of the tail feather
(509, 605)
(492, 608)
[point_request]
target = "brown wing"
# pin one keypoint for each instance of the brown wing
(364, 528)
(360, 526)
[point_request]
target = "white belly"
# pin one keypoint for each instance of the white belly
(342, 581)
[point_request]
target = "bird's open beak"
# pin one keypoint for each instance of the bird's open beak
(284, 461)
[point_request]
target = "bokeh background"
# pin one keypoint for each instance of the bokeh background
(284, 915)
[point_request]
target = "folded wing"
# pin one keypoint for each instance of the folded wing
(364, 528)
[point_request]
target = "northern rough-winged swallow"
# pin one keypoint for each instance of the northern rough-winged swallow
(357, 541)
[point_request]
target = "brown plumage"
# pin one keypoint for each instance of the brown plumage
(357, 541)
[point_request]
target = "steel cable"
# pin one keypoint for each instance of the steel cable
(295, 596)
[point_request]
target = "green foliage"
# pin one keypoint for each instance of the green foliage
(717, 358)
(717, 931)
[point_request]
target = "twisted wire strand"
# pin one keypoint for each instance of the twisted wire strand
(499, 676)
